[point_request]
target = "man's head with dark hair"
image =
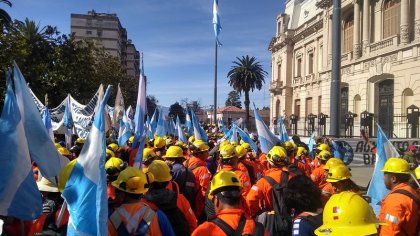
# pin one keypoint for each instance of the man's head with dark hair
(302, 195)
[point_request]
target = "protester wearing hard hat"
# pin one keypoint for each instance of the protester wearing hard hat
(167, 200)
(340, 177)
(132, 216)
(225, 192)
(113, 167)
(197, 165)
(400, 208)
(347, 213)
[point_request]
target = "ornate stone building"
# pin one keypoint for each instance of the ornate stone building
(380, 61)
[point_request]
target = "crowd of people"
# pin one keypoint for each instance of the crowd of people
(224, 187)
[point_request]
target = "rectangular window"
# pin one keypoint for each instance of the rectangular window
(311, 63)
(297, 107)
(319, 104)
(279, 72)
(99, 33)
(88, 32)
(299, 67)
(308, 106)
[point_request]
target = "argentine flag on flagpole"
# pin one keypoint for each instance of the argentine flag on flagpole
(161, 128)
(282, 131)
(46, 119)
(188, 123)
(245, 137)
(152, 125)
(216, 21)
(266, 138)
(19, 194)
(181, 135)
(124, 132)
(377, 190)
(41, 147)
(85, 191)
(234, 136)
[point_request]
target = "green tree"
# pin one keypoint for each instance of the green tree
(246, 75)
(151, 103)
(233, 99)
(177, 110)
(4, 16)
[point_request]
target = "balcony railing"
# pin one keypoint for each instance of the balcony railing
(275, 86)
(388, 42)
(297, 80)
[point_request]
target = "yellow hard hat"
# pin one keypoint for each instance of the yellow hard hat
(224, 179)
(169, 141)
(323, 147)
(63, 151)
(300, 151)
(288, 145)
(233, 143)
(337, 173)
(191, 139)
(277, 155)
(57, 145)
(109, 153)
(174, 152)
(333, 161)
(181, 144)
(80, 140)
(159, 142)
(324, 155)
(133, 180)
(113, 147)
(347, 213)
(223, 143)
(65, 174)
(240, 151)
(199, 146)
(396, 165)
(227, 151)
(114, 166)
(294, 146)
(160, 171)
(148, 154)
(131, 139)
(246, 146)
(417, 172)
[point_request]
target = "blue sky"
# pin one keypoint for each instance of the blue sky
(177, 39)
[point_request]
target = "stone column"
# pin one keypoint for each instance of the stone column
(365, 25)
(356, 31)
(405, 15)
(417, 20)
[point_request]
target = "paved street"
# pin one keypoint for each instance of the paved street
(361, 174)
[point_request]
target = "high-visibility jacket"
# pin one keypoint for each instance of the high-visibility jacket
(38, 224)
(110, 191)
(318, 177)
(184, 206)
(257, 169)
(400, 212)
(259, 197)
(315, 163)
(326, 192)
(231, 217)
(202, 181)
(244, 178)
(138, 219)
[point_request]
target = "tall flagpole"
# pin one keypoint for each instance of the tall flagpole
(215, 81)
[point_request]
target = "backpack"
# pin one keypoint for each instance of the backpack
(176, 218)
(229, 231)
(278, 221)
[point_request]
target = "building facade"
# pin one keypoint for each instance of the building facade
(105, 30)
(380, 71)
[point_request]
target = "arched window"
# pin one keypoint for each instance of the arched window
(407, 100)
(348, 35)
(391, 23)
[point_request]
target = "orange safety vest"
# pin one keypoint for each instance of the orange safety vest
(130, 216)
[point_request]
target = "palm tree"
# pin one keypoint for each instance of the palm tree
(31, 31)
(246, 75)
(4, 17)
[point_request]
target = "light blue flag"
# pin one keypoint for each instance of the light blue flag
(216, 21)
(140, 130)
(85, 191)
(265, 136)
(199, 132)
(68, 123)
(153, 124)
(282, 131)
(41, 147)
(234, 136)
(311, 144)
(223, 128)
(46, 119)
(181, 134)
(161, 128)
(19, 194)
(377, 190)
(188, 123)
(124, 132)
(229, 133)
(245, 137)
